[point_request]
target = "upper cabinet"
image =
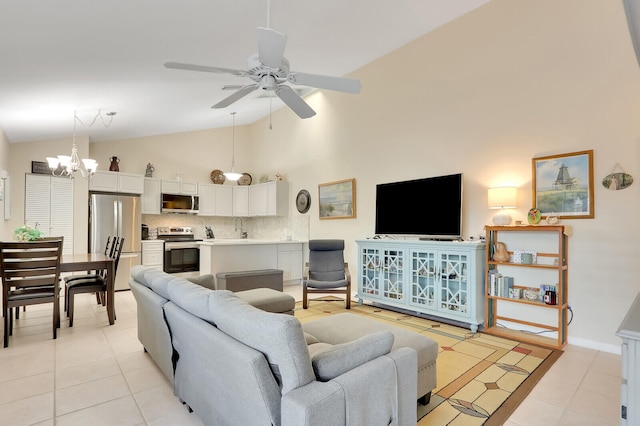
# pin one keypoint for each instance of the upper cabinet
(264, 199)
(179, 187)
(151, 201)
(107, 181)
(241, 201)
(215, 200)
(269, 199)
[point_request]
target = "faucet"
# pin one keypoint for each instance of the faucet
(242, 233)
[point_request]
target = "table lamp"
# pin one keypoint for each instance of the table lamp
(502, 198)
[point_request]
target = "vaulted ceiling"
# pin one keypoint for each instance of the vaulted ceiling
(73, 55)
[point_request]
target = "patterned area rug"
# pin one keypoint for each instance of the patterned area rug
(481, 378)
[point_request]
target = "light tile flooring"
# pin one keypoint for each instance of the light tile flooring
(98, 374)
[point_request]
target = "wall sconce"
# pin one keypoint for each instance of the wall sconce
(505, 197)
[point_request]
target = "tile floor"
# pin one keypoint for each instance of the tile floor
(98, 374)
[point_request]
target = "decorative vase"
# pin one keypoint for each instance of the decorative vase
(500, 254)
(114, 164)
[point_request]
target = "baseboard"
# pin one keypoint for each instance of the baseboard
(591, 344)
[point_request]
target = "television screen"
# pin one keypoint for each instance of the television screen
(429, 207)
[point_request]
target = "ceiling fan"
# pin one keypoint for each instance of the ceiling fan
(269, 70)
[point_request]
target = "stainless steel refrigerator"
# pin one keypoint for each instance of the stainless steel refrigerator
(116, 215)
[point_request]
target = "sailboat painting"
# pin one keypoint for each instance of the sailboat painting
(563, 185)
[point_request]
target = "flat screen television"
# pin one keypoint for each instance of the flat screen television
(430, 208)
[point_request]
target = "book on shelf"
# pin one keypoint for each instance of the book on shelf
(499, 285)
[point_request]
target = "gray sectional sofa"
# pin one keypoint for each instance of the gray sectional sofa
(235, 364)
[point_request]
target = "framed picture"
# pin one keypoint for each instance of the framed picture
(337, 199)
(563, 185)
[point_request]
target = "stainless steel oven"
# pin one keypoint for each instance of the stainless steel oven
(181, 249)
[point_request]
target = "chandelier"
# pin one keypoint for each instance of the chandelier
(69, 165)
(232, 175)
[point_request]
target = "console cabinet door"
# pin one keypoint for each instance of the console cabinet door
(454, 283)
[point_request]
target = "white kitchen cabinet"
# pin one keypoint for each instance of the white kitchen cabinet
(290, 262)
(443, 279)
(269, 199)
(215, 200)
(224, 200)
(106, 181)
(246, 255)
(153, 253)
(49, 207)
(151, 197)
(240, 201)
(258, 200)
(179, 187)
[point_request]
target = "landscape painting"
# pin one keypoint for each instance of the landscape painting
(337, 199)
(563, 185)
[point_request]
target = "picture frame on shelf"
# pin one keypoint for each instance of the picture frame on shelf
(337, 200)
(563, 185)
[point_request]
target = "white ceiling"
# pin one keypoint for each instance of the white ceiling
(61, 56)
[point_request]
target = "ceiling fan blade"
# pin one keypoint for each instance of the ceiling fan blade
(203, 68)
(294, 101)
(271, 46)
(235, 96)
(324, 82)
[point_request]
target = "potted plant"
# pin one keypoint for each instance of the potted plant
(27, 233)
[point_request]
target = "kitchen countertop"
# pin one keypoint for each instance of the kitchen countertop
(246, 241)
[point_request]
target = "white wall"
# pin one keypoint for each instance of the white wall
(483, 95)
(5, 232)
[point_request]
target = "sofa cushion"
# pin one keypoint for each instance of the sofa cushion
(191, 297)
(335, 360)
(152, 278)
(205, 280)
(279, 337)
(310, 339)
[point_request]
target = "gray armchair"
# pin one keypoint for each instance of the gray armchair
(326, 271)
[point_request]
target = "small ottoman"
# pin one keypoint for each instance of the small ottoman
(342, 328)
(269, 300)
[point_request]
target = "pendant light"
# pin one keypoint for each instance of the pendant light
(232, 175)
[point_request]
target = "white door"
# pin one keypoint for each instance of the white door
(49, 206)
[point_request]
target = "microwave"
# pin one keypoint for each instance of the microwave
(173, 203)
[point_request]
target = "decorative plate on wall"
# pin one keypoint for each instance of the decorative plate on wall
(245, 179)
(217, 177)
(303, 201)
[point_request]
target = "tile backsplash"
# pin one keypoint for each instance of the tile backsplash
(261, 228)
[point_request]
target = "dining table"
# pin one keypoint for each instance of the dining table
(94, 261)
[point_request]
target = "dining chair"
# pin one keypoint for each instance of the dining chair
(30, 275)
(108, 251)
(326, 271)
(92, 283)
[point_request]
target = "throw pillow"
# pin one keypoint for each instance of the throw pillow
(338, 359)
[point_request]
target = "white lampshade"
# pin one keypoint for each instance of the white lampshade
(505, 197)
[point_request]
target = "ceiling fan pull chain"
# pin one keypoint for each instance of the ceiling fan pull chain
(270, 103)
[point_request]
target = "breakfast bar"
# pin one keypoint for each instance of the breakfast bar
(234, 255)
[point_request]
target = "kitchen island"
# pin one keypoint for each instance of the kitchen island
(233, 255)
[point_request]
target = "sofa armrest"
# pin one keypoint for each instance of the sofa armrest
(355, 397)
